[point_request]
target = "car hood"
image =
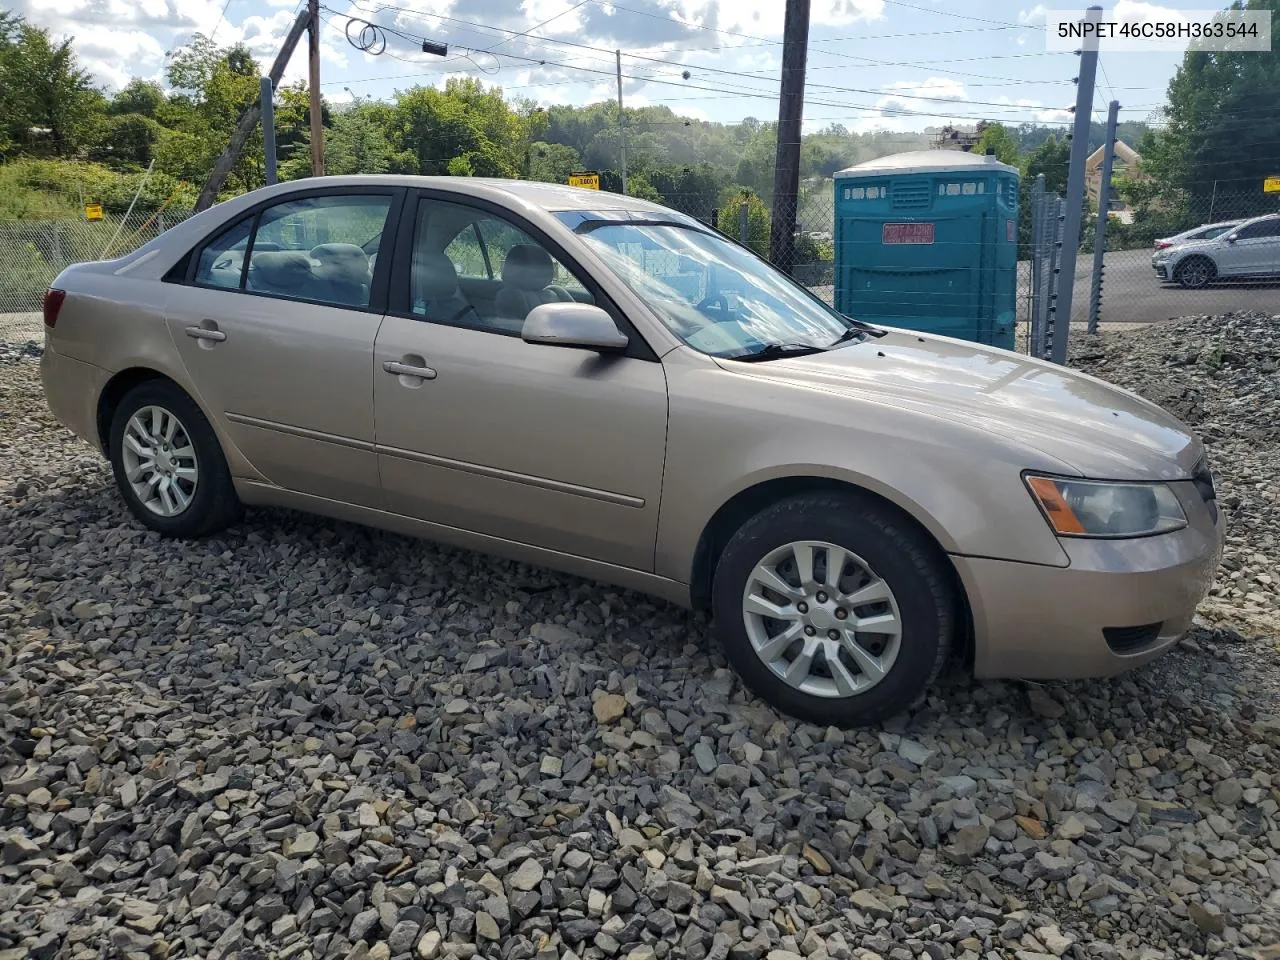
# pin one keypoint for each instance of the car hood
(1093, 427)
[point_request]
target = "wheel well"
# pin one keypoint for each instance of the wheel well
(747, 503)
(115, 390)
(1197, 256)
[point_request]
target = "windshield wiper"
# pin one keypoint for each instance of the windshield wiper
(776, 351)
(851, 334)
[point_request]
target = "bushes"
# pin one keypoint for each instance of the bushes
(51, 189)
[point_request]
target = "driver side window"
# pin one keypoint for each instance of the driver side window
(473, 269)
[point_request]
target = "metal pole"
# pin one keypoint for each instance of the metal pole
(266, 93)
(622, 123)
(1213, 200)
(1037, 264)
(313, 81)
(1075, 185)
(1104, 203)
(1056, 217)
(786, 167)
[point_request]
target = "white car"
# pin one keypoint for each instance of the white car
(1251, 249)
(1204, 232)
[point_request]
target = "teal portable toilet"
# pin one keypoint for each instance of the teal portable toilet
(928, 240)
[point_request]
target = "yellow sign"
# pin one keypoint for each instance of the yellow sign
(93, 211)
(1271, 185)
(589, 180)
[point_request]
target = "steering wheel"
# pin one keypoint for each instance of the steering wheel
(718, 303)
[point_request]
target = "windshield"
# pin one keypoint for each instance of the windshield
(713, 294)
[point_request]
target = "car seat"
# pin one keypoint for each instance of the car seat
(345, 267)
(435, 292)
(526, 278)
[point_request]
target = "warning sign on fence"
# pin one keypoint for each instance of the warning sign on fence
(93, 211)
(1271, 185)
(590, 180)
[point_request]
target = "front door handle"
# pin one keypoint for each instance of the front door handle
(206, 333)
(408, 370)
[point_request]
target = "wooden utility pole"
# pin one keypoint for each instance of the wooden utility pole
(786, 169)
(209, 192)
(313, 81)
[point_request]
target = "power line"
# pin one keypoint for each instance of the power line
(682, 66)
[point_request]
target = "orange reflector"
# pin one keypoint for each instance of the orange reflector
(1056, 508)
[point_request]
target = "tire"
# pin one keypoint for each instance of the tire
(1195, 273)
(884, 550)
(211, 501)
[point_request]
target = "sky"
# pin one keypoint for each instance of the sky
(872, 64)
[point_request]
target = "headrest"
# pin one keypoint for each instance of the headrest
(342, 261)
(528, 267)
(436, 276)
(285, 268)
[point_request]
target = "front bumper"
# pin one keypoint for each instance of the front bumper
(1038, 622)
(72, 389)
(1162, 270)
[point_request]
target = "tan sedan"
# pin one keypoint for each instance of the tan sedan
(602, 385)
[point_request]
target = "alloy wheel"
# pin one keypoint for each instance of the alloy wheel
(821, 620)
(160, 461)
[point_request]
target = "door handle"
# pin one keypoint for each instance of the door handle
(408, 370)
(206, 333)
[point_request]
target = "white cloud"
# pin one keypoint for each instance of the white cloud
(1144, 12)
(1034, 15)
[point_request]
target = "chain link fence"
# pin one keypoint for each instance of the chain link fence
(33, 252)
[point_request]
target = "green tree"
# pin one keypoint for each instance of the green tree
(50, 102)
(1223, 124)
(552, 162)
(142, 97)
(997, 138)
(729, 220)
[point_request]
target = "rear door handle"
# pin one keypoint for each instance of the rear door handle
(206, 333)
(408, 370)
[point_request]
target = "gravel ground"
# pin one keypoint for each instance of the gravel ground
(305, 739)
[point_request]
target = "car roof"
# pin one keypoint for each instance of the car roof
(548, 196)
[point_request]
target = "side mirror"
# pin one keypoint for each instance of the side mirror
(1230, 238)
(582, 325)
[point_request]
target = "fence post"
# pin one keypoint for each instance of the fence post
(58, 260)
(1036, 266)
(1104, 203)
(1057, 222)
(1075, 182)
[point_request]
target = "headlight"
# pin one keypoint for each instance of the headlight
(1090, 508)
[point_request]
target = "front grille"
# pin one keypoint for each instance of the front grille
(1131, 639)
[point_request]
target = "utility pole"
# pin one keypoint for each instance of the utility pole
(313, 81)
(266, 95)
(1075, 186)
(1104, 203)
(227, 160)
(786, 169)
(622, 124)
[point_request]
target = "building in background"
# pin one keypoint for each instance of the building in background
(1125, 164)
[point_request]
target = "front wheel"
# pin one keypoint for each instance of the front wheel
(1195, 273)
(168, 464)
(833, 610)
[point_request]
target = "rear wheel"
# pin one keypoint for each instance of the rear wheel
(833, 610)
(1195, 272)
(168, 464)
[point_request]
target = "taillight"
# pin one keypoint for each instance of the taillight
(1161, 244)
(52, 304)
